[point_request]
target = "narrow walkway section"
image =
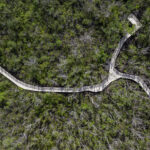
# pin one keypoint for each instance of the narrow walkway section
(113, 73)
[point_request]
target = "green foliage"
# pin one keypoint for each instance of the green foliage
(70, 44)
(102, 57)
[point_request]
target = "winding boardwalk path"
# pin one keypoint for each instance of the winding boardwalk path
(113, 73)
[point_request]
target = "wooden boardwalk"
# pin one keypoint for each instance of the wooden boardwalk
(113, 73)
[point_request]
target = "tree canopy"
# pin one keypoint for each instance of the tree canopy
(69, 43)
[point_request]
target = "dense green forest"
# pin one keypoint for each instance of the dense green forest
(69, 43)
